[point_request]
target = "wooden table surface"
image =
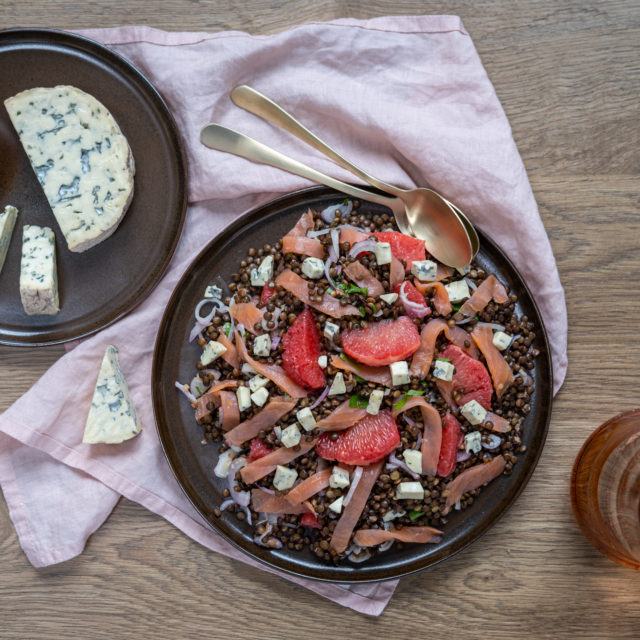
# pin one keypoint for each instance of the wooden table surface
(568, 76)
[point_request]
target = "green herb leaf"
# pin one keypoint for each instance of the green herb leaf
(363, 313)
(198, 389)
(444, 359)
(375, 309)
(348, 360)
(414, 392)
(398, 405)
(414, 514)
(359, 379)
(346, 202)
(354, 289)
(226, 327)
(358, 402)
(343, 285)
(456, 307)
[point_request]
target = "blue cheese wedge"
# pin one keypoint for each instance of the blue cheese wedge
(80, 157)
(38, 276)
(112, 417)
(7, 222)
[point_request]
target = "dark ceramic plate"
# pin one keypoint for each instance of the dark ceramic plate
(102, 284)
(193, 463)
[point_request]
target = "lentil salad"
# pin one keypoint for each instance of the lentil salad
(384, 516)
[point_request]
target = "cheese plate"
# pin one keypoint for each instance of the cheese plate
(101, 284)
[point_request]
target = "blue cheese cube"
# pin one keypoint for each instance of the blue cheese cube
(458, 291)
(336, 505)
(212, 291)
(389, 298)
(399, 373)
(38, 273)
(322, 362)
(306, 419)
(424, 270)
(278, 432)
(313, 268)
(383, 253)
(473, 442)
(392, 515)
(221, 469)
(262, 345)
(7, 222)
(337, 386)
(262, 274)
(474, 412)
(443, 370)
(331, 330)
(290, 436)
(247, 369)
(501, 340)
(212, 352)
(257, 382)
(409, 491)
(244, 398)
(375, 400)
(339, 478)
(284, 478)
(260, 396)
(413, 458)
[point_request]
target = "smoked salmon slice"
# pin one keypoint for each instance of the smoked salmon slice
(500, 371)
(361, 276)
(373, 537)
(432, 434)
(379, 375)
(352, 512)
(264, 502)
(352, 235)
(305, 223)
(303, 246)
(341, 418)
(490, 289)
(299, 287)
(262, 467)
(440, 298)
(229, 410)
(247, 314)
(499, 423)
(472, 478)
(309, 486)
(276, 409)
(230, 356)
(396, 272)
(212, 395)
(274, 372)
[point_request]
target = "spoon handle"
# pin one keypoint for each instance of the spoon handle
(258, 104)
(221, 138)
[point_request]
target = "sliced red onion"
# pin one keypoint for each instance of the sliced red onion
(327, 266)
(240, 328)
(321, 397)
(418, 440)
(386, 545)
(494, 325)
(363, 246)
(228, 502)
(461, 456)
(217, 305)
(320, 232)
(396, 463)
(276, 315)
(197, 328)
(413, 309)
(465, 320)
(378, 313)
(335, 242)
(350, 226)
(269, 491)
(261, 539)
(513, 339)
(185, 389)
(329, 214)
(241, 498)
(212, 372)
(275, 341)
(196, 381)
(355, 478)
(472, 285)
(271, 518)
(494, 442)
(410, 421)
(357, 554)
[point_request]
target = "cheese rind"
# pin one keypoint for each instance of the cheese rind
(112, 417)
(80, 157)
(38, 276)
(7, 222)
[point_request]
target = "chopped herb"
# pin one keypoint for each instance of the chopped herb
(346, 202)
(412, 392)
(348, 360)
(414, 514)
(375, 309)
(353, 289)
(359, 379)
(198, 389)
(456, 307)
(226, 327)
(358, 402)
(343, 286)
(444, 359)
(362, 311)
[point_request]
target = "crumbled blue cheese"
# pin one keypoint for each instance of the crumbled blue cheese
(409, 491)
(284, 478)
(213, 291)
(392, 515)
(389, 298)
(224, 462)
(262, 274)
(375, 400)
(383, 253)
(247, 369)
(322, 362)
(399, 373)
(501, 340)
(337, 386)
(424, 270)
(331, 330)
(290, 436)
(244, 398)
(443, 370)
(464, 270)
(212, 352)
(260, 396)
(306, 419)
(339, 478)
(277, 432)
(7, 222)
(257, 382)
(457, 291)
(313, 268)
(262, 345)
(474, 412)
(473, 442)
(336, 505)
(38, 274)
(413, 458)
(112, 417)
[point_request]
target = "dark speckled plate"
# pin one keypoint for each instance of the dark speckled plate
(102, 284)
(193, 462)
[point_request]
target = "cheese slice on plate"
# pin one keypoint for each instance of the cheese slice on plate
(112, 417)
(7, 222)
(81, 158)
(38, 275)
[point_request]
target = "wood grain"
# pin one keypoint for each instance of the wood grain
(568, 76)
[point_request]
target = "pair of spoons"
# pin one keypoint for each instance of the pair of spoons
(423, 213)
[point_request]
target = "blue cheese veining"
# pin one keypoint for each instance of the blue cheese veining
(112, 417)
(38, 275)
(80, 157)
(7, 222)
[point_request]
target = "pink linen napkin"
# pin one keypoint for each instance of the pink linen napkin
(405, 97)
